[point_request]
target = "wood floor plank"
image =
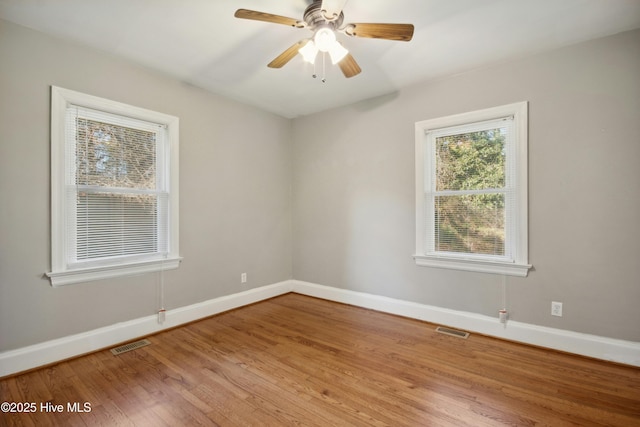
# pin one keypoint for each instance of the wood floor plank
(296, 360)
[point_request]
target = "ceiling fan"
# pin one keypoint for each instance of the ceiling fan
(325, 18)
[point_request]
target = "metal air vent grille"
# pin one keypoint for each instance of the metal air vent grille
(130, 346)
(452, 332)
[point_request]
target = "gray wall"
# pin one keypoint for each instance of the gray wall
(235, 176)
(354, 203)
(350, 220)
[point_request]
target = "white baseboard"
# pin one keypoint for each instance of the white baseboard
(22, 359)
(627, 352)
(33, 356)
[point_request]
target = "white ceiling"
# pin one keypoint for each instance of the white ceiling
(200, 41)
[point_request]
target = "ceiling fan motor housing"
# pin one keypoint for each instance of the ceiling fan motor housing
(315, 19)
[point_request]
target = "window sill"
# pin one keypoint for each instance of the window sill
(69, 277)
(479, 266)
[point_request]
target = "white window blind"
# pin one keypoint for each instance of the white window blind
(116, 194)
(471, 189)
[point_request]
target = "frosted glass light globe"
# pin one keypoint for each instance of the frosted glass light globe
(324, 39)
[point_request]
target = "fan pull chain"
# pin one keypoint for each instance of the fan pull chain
(315, 73)
(324, 69)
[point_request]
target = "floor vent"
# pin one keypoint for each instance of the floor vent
(452, 332)
(131, 346)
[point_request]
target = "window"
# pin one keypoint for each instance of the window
(471, 191)
(114, 189)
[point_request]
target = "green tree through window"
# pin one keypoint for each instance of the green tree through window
(470, 223)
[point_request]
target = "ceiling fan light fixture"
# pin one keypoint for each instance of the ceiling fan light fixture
(324, 39)
(324, 18)
(309, 52)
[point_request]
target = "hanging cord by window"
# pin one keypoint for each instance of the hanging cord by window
(161, 310)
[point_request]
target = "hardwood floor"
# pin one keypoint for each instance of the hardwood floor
(296, 360)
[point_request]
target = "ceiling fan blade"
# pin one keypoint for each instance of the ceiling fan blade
(401, 32)
(268, 17)
(349, 66)
(332, 8)
(286, 56)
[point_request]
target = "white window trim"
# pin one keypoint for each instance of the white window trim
(61, 272)
(520, 265)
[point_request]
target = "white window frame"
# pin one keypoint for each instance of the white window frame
(515, 263)
(63, 270)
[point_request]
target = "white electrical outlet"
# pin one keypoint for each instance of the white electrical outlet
(556, 308)
(243, 278)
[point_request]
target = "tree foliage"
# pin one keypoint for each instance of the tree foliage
(113, 156)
